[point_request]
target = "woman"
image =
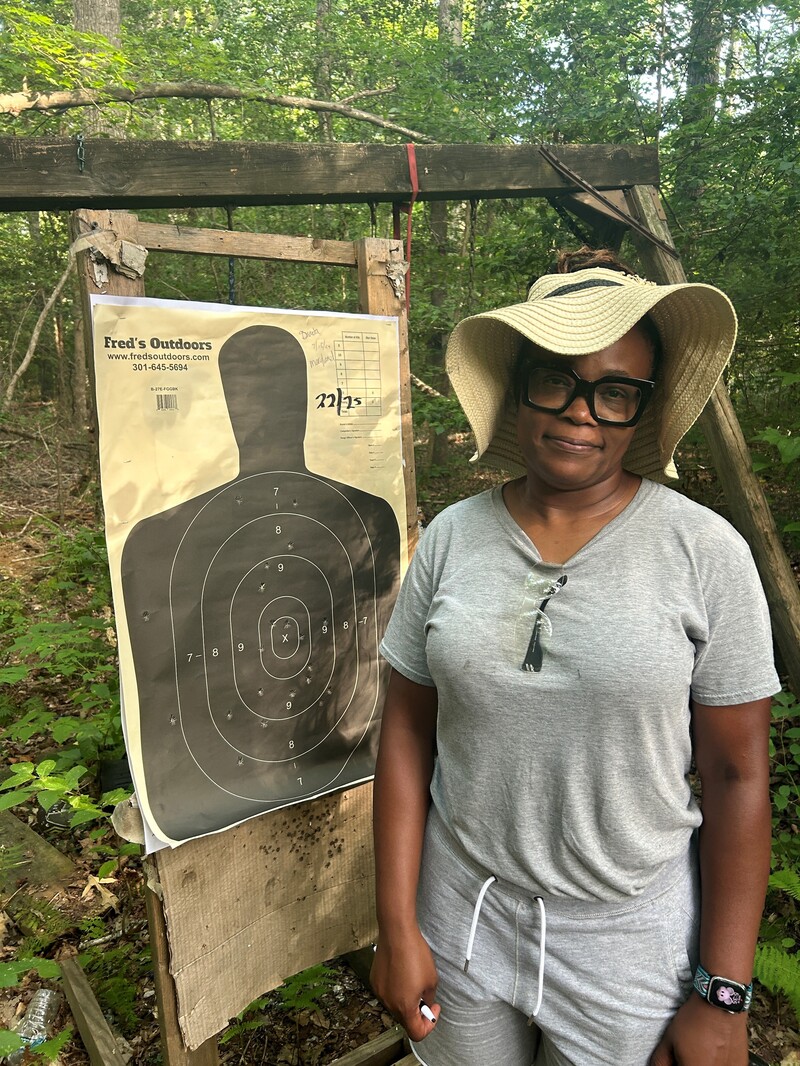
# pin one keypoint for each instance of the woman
(562, 648)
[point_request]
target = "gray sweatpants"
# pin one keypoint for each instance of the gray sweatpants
(613, 973)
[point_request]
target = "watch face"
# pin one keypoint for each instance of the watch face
(729, 995)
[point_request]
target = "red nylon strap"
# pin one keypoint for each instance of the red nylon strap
(397, 208)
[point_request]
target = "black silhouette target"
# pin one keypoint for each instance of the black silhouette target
(255, 612)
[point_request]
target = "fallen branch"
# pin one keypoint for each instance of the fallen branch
(64, 99)
(37, 329)
(423, 386)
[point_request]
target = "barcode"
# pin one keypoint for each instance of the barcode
(166, 403)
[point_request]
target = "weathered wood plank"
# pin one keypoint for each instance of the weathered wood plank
(44, 174)
(41, 867)
(123, 226)
(743, 493)
(96, 1033)
(276, 247)
(382, 1051)
(31, 885)
(382, 277)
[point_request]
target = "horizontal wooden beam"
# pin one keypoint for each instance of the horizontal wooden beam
(380, 1051)
(40, 174)
(161, 238)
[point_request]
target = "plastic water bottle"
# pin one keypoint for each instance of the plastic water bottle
(37, 1022)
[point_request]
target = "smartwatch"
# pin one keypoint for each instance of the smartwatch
(731, 996)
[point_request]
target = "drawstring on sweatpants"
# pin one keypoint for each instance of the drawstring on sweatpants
(474, 926)
(475, 915)
(543, 917)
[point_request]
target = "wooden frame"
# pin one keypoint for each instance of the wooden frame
(381, 286)
(47, 175)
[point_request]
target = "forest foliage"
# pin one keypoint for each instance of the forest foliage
(713, 84)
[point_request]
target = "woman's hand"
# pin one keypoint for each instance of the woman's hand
(702, 1035)
(403, 974)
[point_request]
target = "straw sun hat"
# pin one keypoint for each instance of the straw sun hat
(583, 312)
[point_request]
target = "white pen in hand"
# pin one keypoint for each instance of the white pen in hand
(426, 1011)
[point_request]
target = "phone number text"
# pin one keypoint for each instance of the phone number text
(160, 366)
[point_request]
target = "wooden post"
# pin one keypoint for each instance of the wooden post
(82, 224)
(381, 289)
(174, 1050)
(744, 495)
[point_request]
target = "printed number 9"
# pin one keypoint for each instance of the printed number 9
(288, 705)
(240, 647)
(280, 568)
(324, 629)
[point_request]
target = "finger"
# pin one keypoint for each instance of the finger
(662, 1056)
(416, 1025)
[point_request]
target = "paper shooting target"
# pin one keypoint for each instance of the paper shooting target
(254, 614)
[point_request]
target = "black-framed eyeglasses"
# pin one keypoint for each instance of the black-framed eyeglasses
(614, 400)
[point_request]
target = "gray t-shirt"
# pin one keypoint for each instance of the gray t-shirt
(563, 731)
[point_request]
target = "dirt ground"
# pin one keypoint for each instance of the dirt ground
(46, 477)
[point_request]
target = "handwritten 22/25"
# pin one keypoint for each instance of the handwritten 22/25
(338, 401)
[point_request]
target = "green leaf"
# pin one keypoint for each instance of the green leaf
(12, 675)
(11, 799)
(9, 1042)
(15, 780)
(47, 799)
(82, 816)
(63, 729)
(10, 972)
(51, 1049)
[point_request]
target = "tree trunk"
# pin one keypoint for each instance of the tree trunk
(702, 86)
(439, 218)
(322, 76)
(451, 29)
(80, 406)
(103, 18)
(98, 16)
(62, 371)
(451, 23)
